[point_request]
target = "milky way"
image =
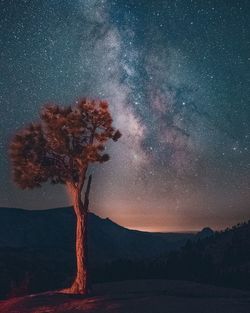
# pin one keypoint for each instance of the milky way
(176, 75)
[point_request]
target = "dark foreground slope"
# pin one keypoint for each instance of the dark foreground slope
(148, 296)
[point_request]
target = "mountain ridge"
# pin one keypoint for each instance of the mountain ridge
(21, 228)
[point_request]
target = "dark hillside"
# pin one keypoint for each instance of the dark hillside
(37, 248)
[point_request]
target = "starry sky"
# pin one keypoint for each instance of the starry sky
(177, 76)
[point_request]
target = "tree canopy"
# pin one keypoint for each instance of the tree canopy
(59, 147)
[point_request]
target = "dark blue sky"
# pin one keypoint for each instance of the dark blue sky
(177, 76)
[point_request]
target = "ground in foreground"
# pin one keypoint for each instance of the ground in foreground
(142, 296)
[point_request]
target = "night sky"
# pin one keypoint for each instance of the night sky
(177, 76)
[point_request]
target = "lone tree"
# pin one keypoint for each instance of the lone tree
(59, 148)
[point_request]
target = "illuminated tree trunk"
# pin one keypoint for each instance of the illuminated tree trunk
(81, 283)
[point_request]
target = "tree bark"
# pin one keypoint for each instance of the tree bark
(81, 283)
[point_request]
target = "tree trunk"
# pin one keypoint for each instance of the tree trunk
(81, 283)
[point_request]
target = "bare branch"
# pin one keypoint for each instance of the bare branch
(86, 198)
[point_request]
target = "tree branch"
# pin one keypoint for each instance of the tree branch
(86, 198)
(82, 178)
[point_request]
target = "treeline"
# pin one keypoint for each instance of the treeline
(221, 259)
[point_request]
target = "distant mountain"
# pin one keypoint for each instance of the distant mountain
(204, 233)
(55, 228)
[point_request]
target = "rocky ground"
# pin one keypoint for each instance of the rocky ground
(143, 296)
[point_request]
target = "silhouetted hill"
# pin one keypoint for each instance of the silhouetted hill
(204, 233)
(55, 228)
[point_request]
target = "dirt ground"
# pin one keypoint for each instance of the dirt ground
(142, 296)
